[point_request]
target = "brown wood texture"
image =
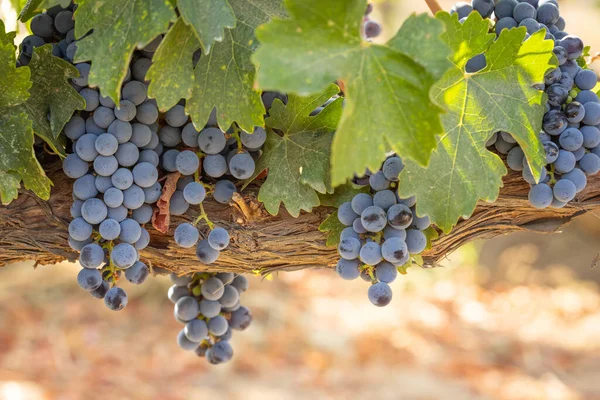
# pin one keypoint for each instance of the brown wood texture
(32, 229)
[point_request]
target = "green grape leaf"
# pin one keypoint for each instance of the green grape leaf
(500, 97)
(15, 81)
(333, 228)
(581, 60)
(171, 75)
(208, 19)
(118, 27)
(420, 38)
(225, 78)
(33, 7)
(342, 194)
(10, 183)
(18, 158)
(298, 158)
(387, 92)
(432, 235)
(53, 100)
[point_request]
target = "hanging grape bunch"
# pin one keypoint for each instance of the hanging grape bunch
(570, 135)
(209, 307)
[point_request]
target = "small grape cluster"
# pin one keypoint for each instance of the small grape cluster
(55, 26)
(571, 134)
(383, 232)
(370, 28)
(209, 307)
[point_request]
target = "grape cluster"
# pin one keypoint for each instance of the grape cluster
(571, 134)
(209, 307)
(55, 26)
(382, 232)
(370, 28)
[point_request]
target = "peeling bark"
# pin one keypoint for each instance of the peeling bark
(31, 229)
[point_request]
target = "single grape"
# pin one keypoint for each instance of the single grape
(230, 297)
(75, 128)
(587, 96)
(117, 213)
(395, 251)
(194, 193)
(127, 154)
(586, 79)
(564, 190)
(540, 195)
(130, 231)
(92, 99)
(504, 8)
(89, 279)
(210, 308)
(122, 179)
(145, 174)
(205, 253)
(105, 165)
(94, 211)
(390, 232)
(115, 299)
(378, 181)
(146, 113)
(169, 136)
(384, 199)
(134, 92)
(392, 168)
(590, 164)
(571, 139)
(85, 187)
(196, 330)
(224, 191)
(138, 273)
(349, 232)
(133, 197)
(211, 140)
(186, 235)
(349, 248)
(399, 216)
(380, 294)
(139, 68)
(42, 25)
(187, 308)
(463, 9)
(106, 144)
(386, 272)
(76, 208)
(141, 135)
(121, 130)
(574, 112)
(358, 226)
(101, 291)
(374, 218)
(551, 150)
(143, 215)
(212, 289)
(178, 205)
(153, 193)
(347, 269)
(176, 116)
(555, 122)
(218, 239)
(143, 241)
(218, 325)
(573, 45)
(240, 318)
(577, 176)
(187, 162)
(85, 147)
(123, 255)
(255, 140)
(242, 166)
(514, 159)
(103, 183)
(91, 256)
(215, 165)
(505, 23)
(416, 241)
(149, 156)
(169, 159)
(109, 229)
(240, 283)
(592, 113)
(565, 162)
(476, 64)
(219, 353)
(74, 167)
(346, 215)
(370, 253)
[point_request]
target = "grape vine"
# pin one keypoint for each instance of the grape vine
(191, 103)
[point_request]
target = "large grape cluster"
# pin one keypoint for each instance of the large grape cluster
(571, 134)
(55, 26)
(120, 155)
(382, 232)
(209, 307)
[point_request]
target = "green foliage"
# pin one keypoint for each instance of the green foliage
(498, 98)
(18, 161)
(209, 19)
(51, 96)
(225, 78)
(33, 7)
(296, 152)
(333, 228)
(118, 27)
(387, 103)
(171, 75)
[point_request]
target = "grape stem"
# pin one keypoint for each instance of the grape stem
(434, 6)
(204, 216)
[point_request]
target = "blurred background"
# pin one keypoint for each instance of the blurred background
(513, 318)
